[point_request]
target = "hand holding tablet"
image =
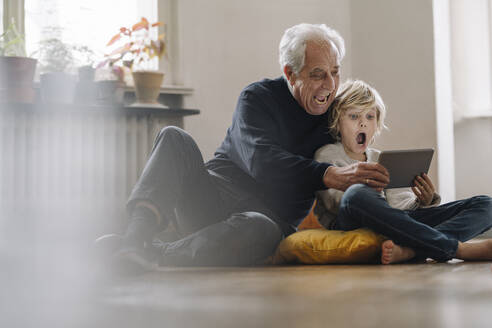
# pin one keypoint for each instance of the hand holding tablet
(404, 165)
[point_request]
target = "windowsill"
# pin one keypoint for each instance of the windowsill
(478, 115)
(165, 89)
(170, 89)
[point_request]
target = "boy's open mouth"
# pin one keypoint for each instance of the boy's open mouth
(320, 100)
(361, 138)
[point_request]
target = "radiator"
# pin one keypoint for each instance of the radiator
(82, 163)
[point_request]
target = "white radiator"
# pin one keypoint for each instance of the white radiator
(77, 163)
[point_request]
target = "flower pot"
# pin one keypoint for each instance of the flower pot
(147, 86)
(110, 92)
(86, 89)
(57, 87)
(16, 76)
(86, 73)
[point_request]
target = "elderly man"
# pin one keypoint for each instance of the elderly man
(237, 207)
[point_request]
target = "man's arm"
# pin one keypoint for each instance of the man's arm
(372, 174)
(256, 148)
(345, 172)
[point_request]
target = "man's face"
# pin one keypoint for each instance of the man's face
(315, 87)
(357, 128)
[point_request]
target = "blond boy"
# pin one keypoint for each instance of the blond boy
(410, 217)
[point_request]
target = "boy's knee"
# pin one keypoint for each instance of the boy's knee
(484, 202)
(355, 194)
(481, 201)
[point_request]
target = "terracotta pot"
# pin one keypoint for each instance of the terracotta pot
(147, 86)
(16, 76)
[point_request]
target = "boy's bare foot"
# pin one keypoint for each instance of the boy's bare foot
(475, 251)
(392, 253)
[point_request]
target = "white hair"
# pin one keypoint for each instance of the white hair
(292, 48)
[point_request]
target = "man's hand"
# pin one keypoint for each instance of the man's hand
(423, 189)
(372, 174)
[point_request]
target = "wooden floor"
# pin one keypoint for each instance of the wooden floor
(435, 295)
(453, 294)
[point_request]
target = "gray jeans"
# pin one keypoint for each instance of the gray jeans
(220, 224)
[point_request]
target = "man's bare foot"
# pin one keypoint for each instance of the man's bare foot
(475, 251)
(392, 253)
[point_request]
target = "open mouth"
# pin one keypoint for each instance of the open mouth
(361, 138)
(320, 100)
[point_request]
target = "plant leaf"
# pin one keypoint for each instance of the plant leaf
(103, 63)
(144, 23)
(162, 48)
(121, 50)
(114, 39)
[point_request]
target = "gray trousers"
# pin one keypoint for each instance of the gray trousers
(219, 223)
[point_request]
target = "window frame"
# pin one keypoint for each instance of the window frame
(167, 12)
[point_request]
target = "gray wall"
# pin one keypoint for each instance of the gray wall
(226, 44)
(392, 44)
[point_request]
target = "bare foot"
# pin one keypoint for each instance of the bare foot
(392, 253)
(475, 251)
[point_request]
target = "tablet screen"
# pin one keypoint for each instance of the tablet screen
(404, 165)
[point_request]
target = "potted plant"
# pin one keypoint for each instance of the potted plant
(56, 60)
(134, 48)
(16, 69)
(85, 91)
(110, 84)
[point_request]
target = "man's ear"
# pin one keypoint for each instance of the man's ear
(289, 74)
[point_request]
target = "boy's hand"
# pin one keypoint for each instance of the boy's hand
(423, 189)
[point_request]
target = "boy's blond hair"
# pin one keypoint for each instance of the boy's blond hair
(356, 94)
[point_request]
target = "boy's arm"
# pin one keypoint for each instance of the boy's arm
(402, 199)
(329, 199)
(422, 195)
(436, 200)
(425, 191)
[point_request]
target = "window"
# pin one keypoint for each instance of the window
(470, 26)
(84, 27)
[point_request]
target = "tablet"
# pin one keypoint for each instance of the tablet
(404, 165)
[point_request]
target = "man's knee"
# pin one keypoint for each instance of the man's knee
(171, 132)
(257, 228)
(175, 140)
(256, 223)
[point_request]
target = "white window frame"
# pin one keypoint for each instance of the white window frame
(471, 53)
(15, 9)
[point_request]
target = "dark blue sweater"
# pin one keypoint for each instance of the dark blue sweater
(269, 149)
